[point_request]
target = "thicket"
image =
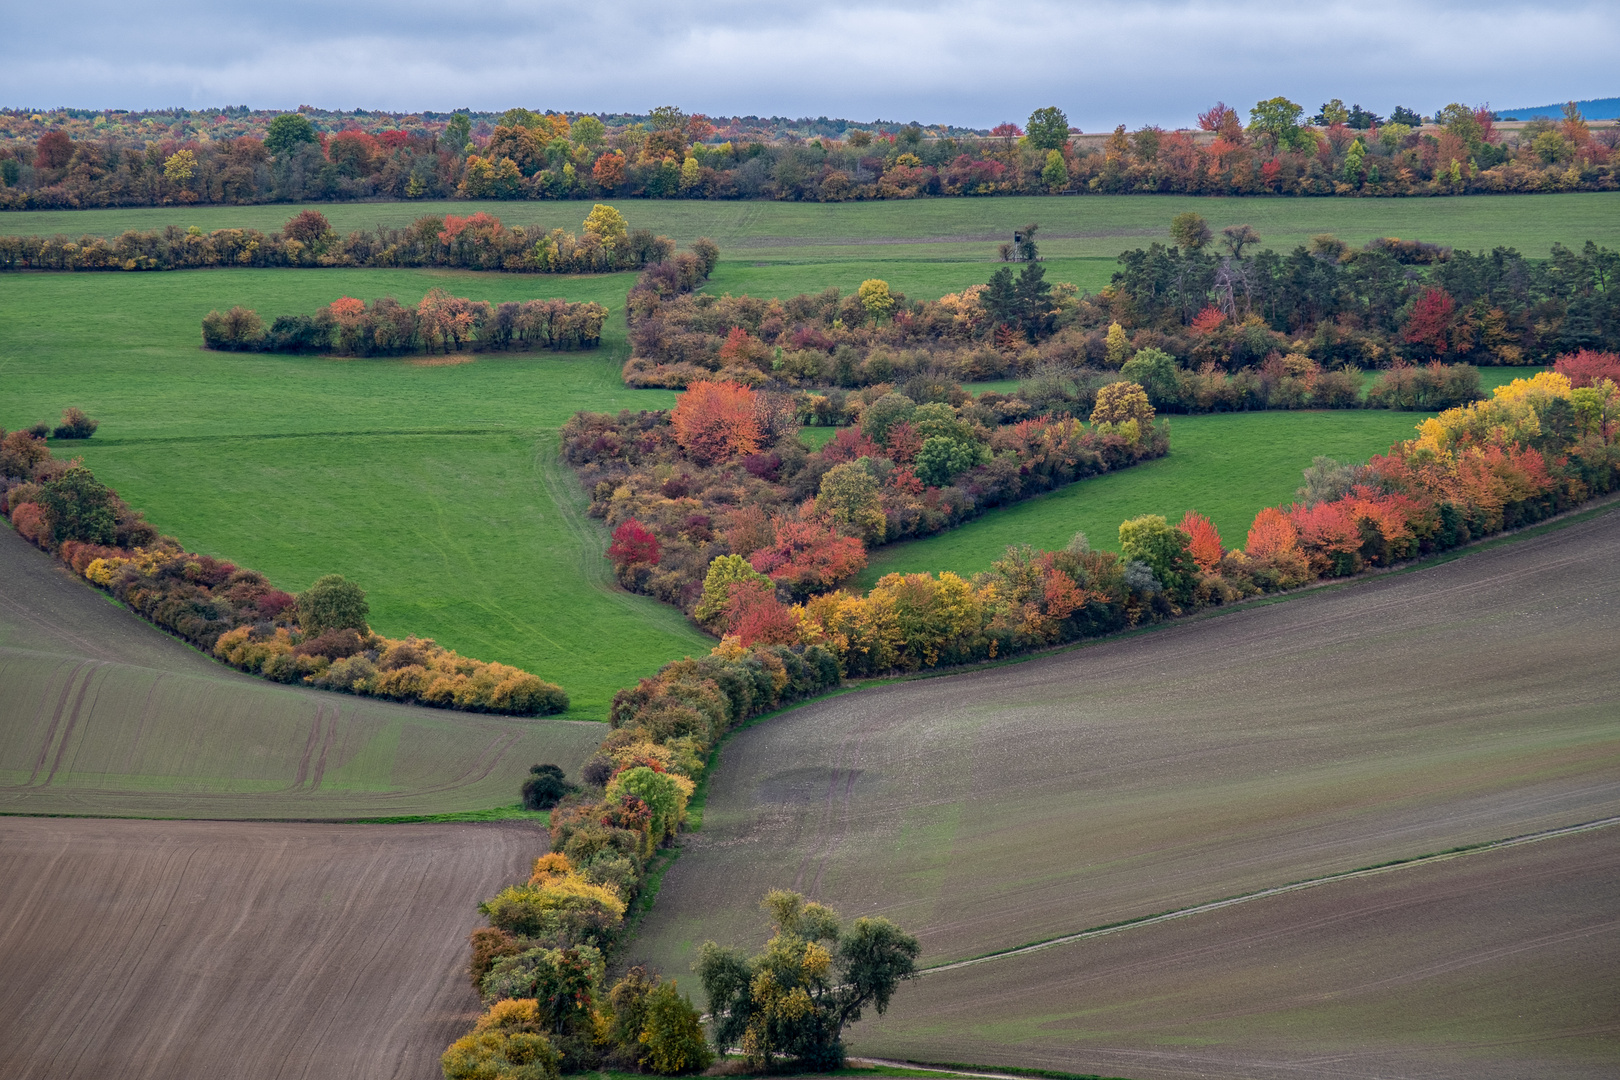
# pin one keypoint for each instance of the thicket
(723, 480)
(441, 323)
(318, 638)
(524, 155)
(477, 242)
(1201, 331)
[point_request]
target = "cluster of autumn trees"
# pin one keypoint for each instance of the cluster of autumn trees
(318, 638)
(1537, 447)
(477, 242)
(441, 323)
(722, 485)
(669, 154)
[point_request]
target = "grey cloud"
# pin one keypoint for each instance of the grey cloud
(964, 62)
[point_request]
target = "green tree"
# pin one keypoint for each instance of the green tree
(724, 572)
(1048, 128)
(1153, 540)
(1278, 120)
(942, 459)
(79, 507)
(1033, 294)
(887, 411)
(287, 132)
(673, 1033)
(1056, 174)
(1190, 231)
(1156, 371)
(793, 1001)
(333, 603)
(457, 133)
(1460, 121)
(849, 498)
(1332, 112)
(588, 131)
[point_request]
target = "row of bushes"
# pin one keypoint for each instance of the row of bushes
(540, 965)
(1537, 447)
(318, 638)
(724, 474)
(440, 323)
(477, 242)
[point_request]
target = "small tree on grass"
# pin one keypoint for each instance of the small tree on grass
(793, 1001)
(333, 603)
(545, 787)
(75, 425)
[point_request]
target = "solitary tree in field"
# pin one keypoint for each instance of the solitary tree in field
(333, 603)
(1238, 237)
(1190, 231)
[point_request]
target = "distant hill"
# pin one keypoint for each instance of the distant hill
(1607, 108)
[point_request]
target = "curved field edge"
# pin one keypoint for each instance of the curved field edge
(817, 815)
(105, 715)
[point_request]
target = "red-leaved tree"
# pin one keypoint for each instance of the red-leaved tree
(717, 421)
(754, 616)
(1430, 324)
(1205, 548)
(808, 557)
(1588, 367)
(633, 543)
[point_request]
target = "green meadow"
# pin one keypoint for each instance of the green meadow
(437, 486)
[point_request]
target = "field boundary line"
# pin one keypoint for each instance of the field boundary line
(1277, 890)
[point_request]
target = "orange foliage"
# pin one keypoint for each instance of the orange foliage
(808, 556)
(1272, 534)
(1206, 548)
(716, 422)
(754, 616)
(1208, 320)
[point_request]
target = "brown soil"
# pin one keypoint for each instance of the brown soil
(196, 950)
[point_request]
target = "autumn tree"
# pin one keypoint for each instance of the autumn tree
(724, 572)
(875, 298)
(333, 603)
(1237, 237)
(849, 499)
(1204, 541)
(77, 506)
(607, 223)
(53, 151)
(308, 227)
(717, 421)
(1277, 120)
(1190, 231)
(633, 544)
(1429, 326)
(1121, 402)
(1154, 541)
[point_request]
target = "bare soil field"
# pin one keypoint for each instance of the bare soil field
(1494, 966)
(151, 950)
(103, 714)
(1455, 704)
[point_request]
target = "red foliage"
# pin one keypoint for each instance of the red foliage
(849, 444)
(809, 557)
(53, 151)
(1208, 320)
(738, 347)
(716, 422)
(479, 222)
(27, 519)
(1431, 320)
(633, 543)
(754, 616)
(1588, 368)
(1206, 545)
(904, 442)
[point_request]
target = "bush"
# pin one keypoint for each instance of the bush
(545, 787)
(673, 1034)
(333, 603)
(75, 425)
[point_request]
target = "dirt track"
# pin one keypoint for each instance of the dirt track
(102, 713)
(198, 950)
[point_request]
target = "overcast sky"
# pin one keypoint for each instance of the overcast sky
(969, 63)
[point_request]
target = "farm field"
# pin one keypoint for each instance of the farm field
(104, 714)
(1492, 966)
(1456, 704)
(151, 950)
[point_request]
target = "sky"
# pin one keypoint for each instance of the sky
(969, 63)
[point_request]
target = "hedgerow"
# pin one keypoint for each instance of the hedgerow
(319, 638)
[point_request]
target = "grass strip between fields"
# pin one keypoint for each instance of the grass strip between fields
(1277, 890)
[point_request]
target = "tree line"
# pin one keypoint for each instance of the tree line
(669, 154)
(479, 241)
(441, 323)
(318, 638)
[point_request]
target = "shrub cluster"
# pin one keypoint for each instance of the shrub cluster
(319, 638)
(1537, 447)
(477, 242)
(440, 323)
(723, 481)
(124, 161)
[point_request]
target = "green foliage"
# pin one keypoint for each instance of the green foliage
(1277, 119)
(1156, 371)
(943, 458)
(288, 131)
(1055, 174)
(333, 603)
(849, 497)
(884, 413)
(1048, 129)
(875, 298)
(545, 787)
(1190, 231)
(79, 507)
(1163, 547)
(793, 1001)
(659, 791)
(673, 1034)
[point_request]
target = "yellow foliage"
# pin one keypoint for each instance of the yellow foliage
(550, 867)
(510, 1013)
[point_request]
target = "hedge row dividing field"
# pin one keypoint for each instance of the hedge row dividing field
(103, 714)
(1457, 704)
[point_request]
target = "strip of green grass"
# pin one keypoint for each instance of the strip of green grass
(1226, 466)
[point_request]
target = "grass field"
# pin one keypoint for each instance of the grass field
(104, 714)
(158, 950)
(1455, 704)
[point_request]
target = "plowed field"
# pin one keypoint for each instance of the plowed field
(1460, 703)
(100, 713)
(149, 950)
